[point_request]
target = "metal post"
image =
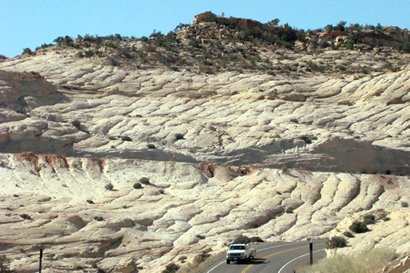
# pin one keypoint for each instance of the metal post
(311, 252)
(41, 258)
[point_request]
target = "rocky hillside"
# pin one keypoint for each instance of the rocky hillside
(128, 154)
(213, 44)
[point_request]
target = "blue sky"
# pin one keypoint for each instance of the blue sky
(30, 23)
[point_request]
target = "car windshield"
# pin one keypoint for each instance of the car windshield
(237, 247)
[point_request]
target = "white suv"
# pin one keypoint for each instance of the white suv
(240, 252)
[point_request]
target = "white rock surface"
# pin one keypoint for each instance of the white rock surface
(212, 147)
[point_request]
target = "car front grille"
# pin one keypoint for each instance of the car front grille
(235, 255)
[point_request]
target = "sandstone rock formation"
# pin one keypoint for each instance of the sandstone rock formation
(282, 156)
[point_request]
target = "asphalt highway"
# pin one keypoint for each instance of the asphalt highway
(274, 258)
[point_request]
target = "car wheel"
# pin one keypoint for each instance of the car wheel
(228, 261)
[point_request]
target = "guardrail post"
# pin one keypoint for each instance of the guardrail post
(311, 252)
(40, 260)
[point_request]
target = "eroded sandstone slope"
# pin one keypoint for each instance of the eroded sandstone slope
(345, 124)
(64, 205)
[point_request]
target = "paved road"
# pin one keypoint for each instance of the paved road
(274, 258)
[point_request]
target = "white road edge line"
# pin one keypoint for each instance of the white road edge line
(283, 267)
(263, 249)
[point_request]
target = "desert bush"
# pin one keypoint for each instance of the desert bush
(201, 257)
(64, 41)
(256, 239)
(137, 185)
(336, 242)
(89, 201)
(349, 44)
(150, 146)
(98, 218)
(369, 219)
(404, 204)
(372, 261)
(405, 47)
(126, 138)
(171, 268)
(180, 26)
(27, 51)
(358, 227)
(109, 186)
(242, 239)
(145, 180)
(25, 216)
(179, 136)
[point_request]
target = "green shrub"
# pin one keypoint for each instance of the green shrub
(27, 51)
(358, 227)
(405, 47)
(98, 218)
(150, 146)
(109, 187)
(25, 216)
(242, 239)
(349, 44)
(64, 41)
(179, 136)
(256, 239)
(336, 242)
(171, 268)
(145, 180)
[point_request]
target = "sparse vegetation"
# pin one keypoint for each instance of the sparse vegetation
(372, 261)
(126, 138)
(145, 181)
(171, 268)
(109, 186)
(27, 51)
(209, 53)
(179, 136)
(25, 216)
(150, 146)
(358, 227)
(98, 218)
(336, 242)
(137, 185)
(245, 240)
